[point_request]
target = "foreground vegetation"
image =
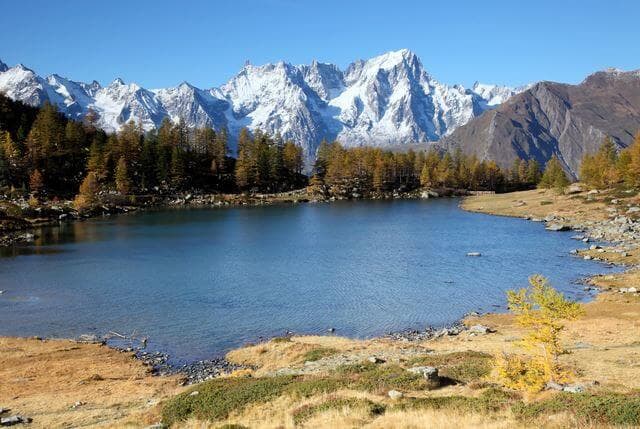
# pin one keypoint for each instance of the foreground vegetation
(369, 391)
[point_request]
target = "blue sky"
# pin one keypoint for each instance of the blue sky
(161, 43)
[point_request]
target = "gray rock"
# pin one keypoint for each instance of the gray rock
(574, 388)
(481, 329)
(633, 210)
(428, 372)
(89, 339)
(194, 393)
(394, 394)
(14, 420)
(557, 227)
(552, 385)
(375, 359)
(574, 189)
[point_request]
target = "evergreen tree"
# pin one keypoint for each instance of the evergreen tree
(177, 168)
(123, 182)
(554, 176)
(244, 173)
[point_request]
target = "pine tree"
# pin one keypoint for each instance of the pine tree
(95, 162)
(533, 172)
(177, 168)
(123, 183)
(243, 173)
(554, 176)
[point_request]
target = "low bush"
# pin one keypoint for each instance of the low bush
(461, 367)
(491, 400)
(306, 412)
(600, 409)
(318, 353)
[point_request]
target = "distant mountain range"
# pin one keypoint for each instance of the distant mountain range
(554, 118)
(384, 101)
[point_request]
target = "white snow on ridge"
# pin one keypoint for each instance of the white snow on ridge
(386, 100)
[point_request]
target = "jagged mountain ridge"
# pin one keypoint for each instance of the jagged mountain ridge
(384, 101)
(555, 119)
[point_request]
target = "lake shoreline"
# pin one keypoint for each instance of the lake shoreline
(20, 222)
(615, 305)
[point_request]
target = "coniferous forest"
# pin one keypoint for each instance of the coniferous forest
(46, 155)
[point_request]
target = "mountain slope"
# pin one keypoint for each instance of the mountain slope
(388, 100)
(553, 118)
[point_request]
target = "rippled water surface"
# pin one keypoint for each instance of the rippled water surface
(199, 282)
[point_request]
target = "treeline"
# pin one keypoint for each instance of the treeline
(45, 154)
(608, 167)
(48, 155)
(339, 171)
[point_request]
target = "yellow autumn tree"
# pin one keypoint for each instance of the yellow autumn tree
(87, 198)
(542, 311)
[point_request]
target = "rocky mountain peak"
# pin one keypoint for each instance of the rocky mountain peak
(387, 100)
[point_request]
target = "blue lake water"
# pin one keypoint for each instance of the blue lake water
(199, 282)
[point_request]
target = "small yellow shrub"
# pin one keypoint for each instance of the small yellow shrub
(541, 310)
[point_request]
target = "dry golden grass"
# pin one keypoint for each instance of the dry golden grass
(537, 203)
(44, 379)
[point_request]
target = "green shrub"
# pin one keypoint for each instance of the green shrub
(604, 408)
(491, 400)
(279, 340)
(462, 367)
(313, 385)
(382, 378)
(217, 398)
(306, 412)
(318, 353)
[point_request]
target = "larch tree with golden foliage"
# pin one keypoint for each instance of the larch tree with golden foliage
(87, 197)
(542, 311)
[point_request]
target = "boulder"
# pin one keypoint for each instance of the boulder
(574, 189)
(574, 388)
(481, 329)
(557, 227)
(428, 372)
(394, 394)
(552, 385)
(89, 339)
(14, 420)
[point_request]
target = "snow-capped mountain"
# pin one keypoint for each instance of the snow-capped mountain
(387, 100)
